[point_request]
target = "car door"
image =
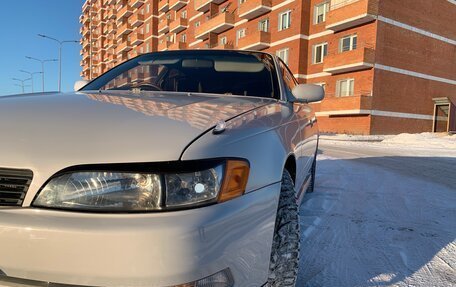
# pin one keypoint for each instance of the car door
(307, 128)
(300, 114)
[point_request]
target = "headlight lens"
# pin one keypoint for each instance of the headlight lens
(130, 191)
(109, 191)
(191, 188)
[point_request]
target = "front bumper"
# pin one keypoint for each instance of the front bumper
(159, 249)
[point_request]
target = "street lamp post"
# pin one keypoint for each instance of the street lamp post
(60, 55)
(22, 86)
(22, 82)
(42, 66)
(31, 76)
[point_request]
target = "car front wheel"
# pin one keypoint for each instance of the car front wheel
(284, 265)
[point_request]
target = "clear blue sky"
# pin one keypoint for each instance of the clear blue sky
(21, 21)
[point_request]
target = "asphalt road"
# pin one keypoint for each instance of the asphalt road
(380, 217)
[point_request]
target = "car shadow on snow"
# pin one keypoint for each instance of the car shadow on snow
(380, 221)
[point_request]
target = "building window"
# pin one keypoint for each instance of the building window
(284, 20)
(241, 33)
(283, 54)
(147, 28)
(320, 12)
(320, 51)
(148, 8)
(345, 88)
(263, 25)
(223, 41)
(147, 48)
(242, 1)
(184, 38)
(197, 23)
(184, 14)
(348, 43)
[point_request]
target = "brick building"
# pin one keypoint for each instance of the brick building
(387, 66)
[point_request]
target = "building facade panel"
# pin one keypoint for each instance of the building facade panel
(407, 94)
(436, 16)
(415, 52)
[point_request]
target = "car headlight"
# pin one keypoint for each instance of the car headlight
(122, 191)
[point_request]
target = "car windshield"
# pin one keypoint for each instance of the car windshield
(216, 72)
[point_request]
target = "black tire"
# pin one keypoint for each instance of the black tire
(284, 264)
(313, 171)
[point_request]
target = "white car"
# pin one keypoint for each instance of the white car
(180, 168)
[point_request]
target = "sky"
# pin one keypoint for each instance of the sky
(21, 22)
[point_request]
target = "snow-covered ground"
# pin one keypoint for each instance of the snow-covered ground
(382, 214)
(423, 141)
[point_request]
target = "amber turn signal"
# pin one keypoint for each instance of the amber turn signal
(235, 180)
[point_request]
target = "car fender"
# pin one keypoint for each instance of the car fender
(265, 137)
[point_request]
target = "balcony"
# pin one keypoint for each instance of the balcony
(85, 32)
(125, 46)
(85, 55)
(163, 6)
(178, 46)
(112, 29)
(85, 44)
(205, 5)
(164, 45)
(137, 20)
(163, 25)
(348, 105)
(124, 29)
(137, 3)
(351, 13)
(361, 58)
(137, 39)
(125, 11)
(177, 4)
(178, 25)
(218, 24)
(136, 76)
(110, 43)
(226, 46)
(112, 14)
(85, 7)
(253, 8)
(259, 40)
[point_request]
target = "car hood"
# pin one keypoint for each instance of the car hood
(49, 132)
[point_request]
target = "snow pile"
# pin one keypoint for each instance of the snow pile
(423, 140)
(355, 138)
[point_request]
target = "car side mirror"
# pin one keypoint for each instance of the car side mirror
(308, 93)
(80, 84)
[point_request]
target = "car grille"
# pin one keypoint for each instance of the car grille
(14, 184)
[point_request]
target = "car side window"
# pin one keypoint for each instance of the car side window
(288, 78)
